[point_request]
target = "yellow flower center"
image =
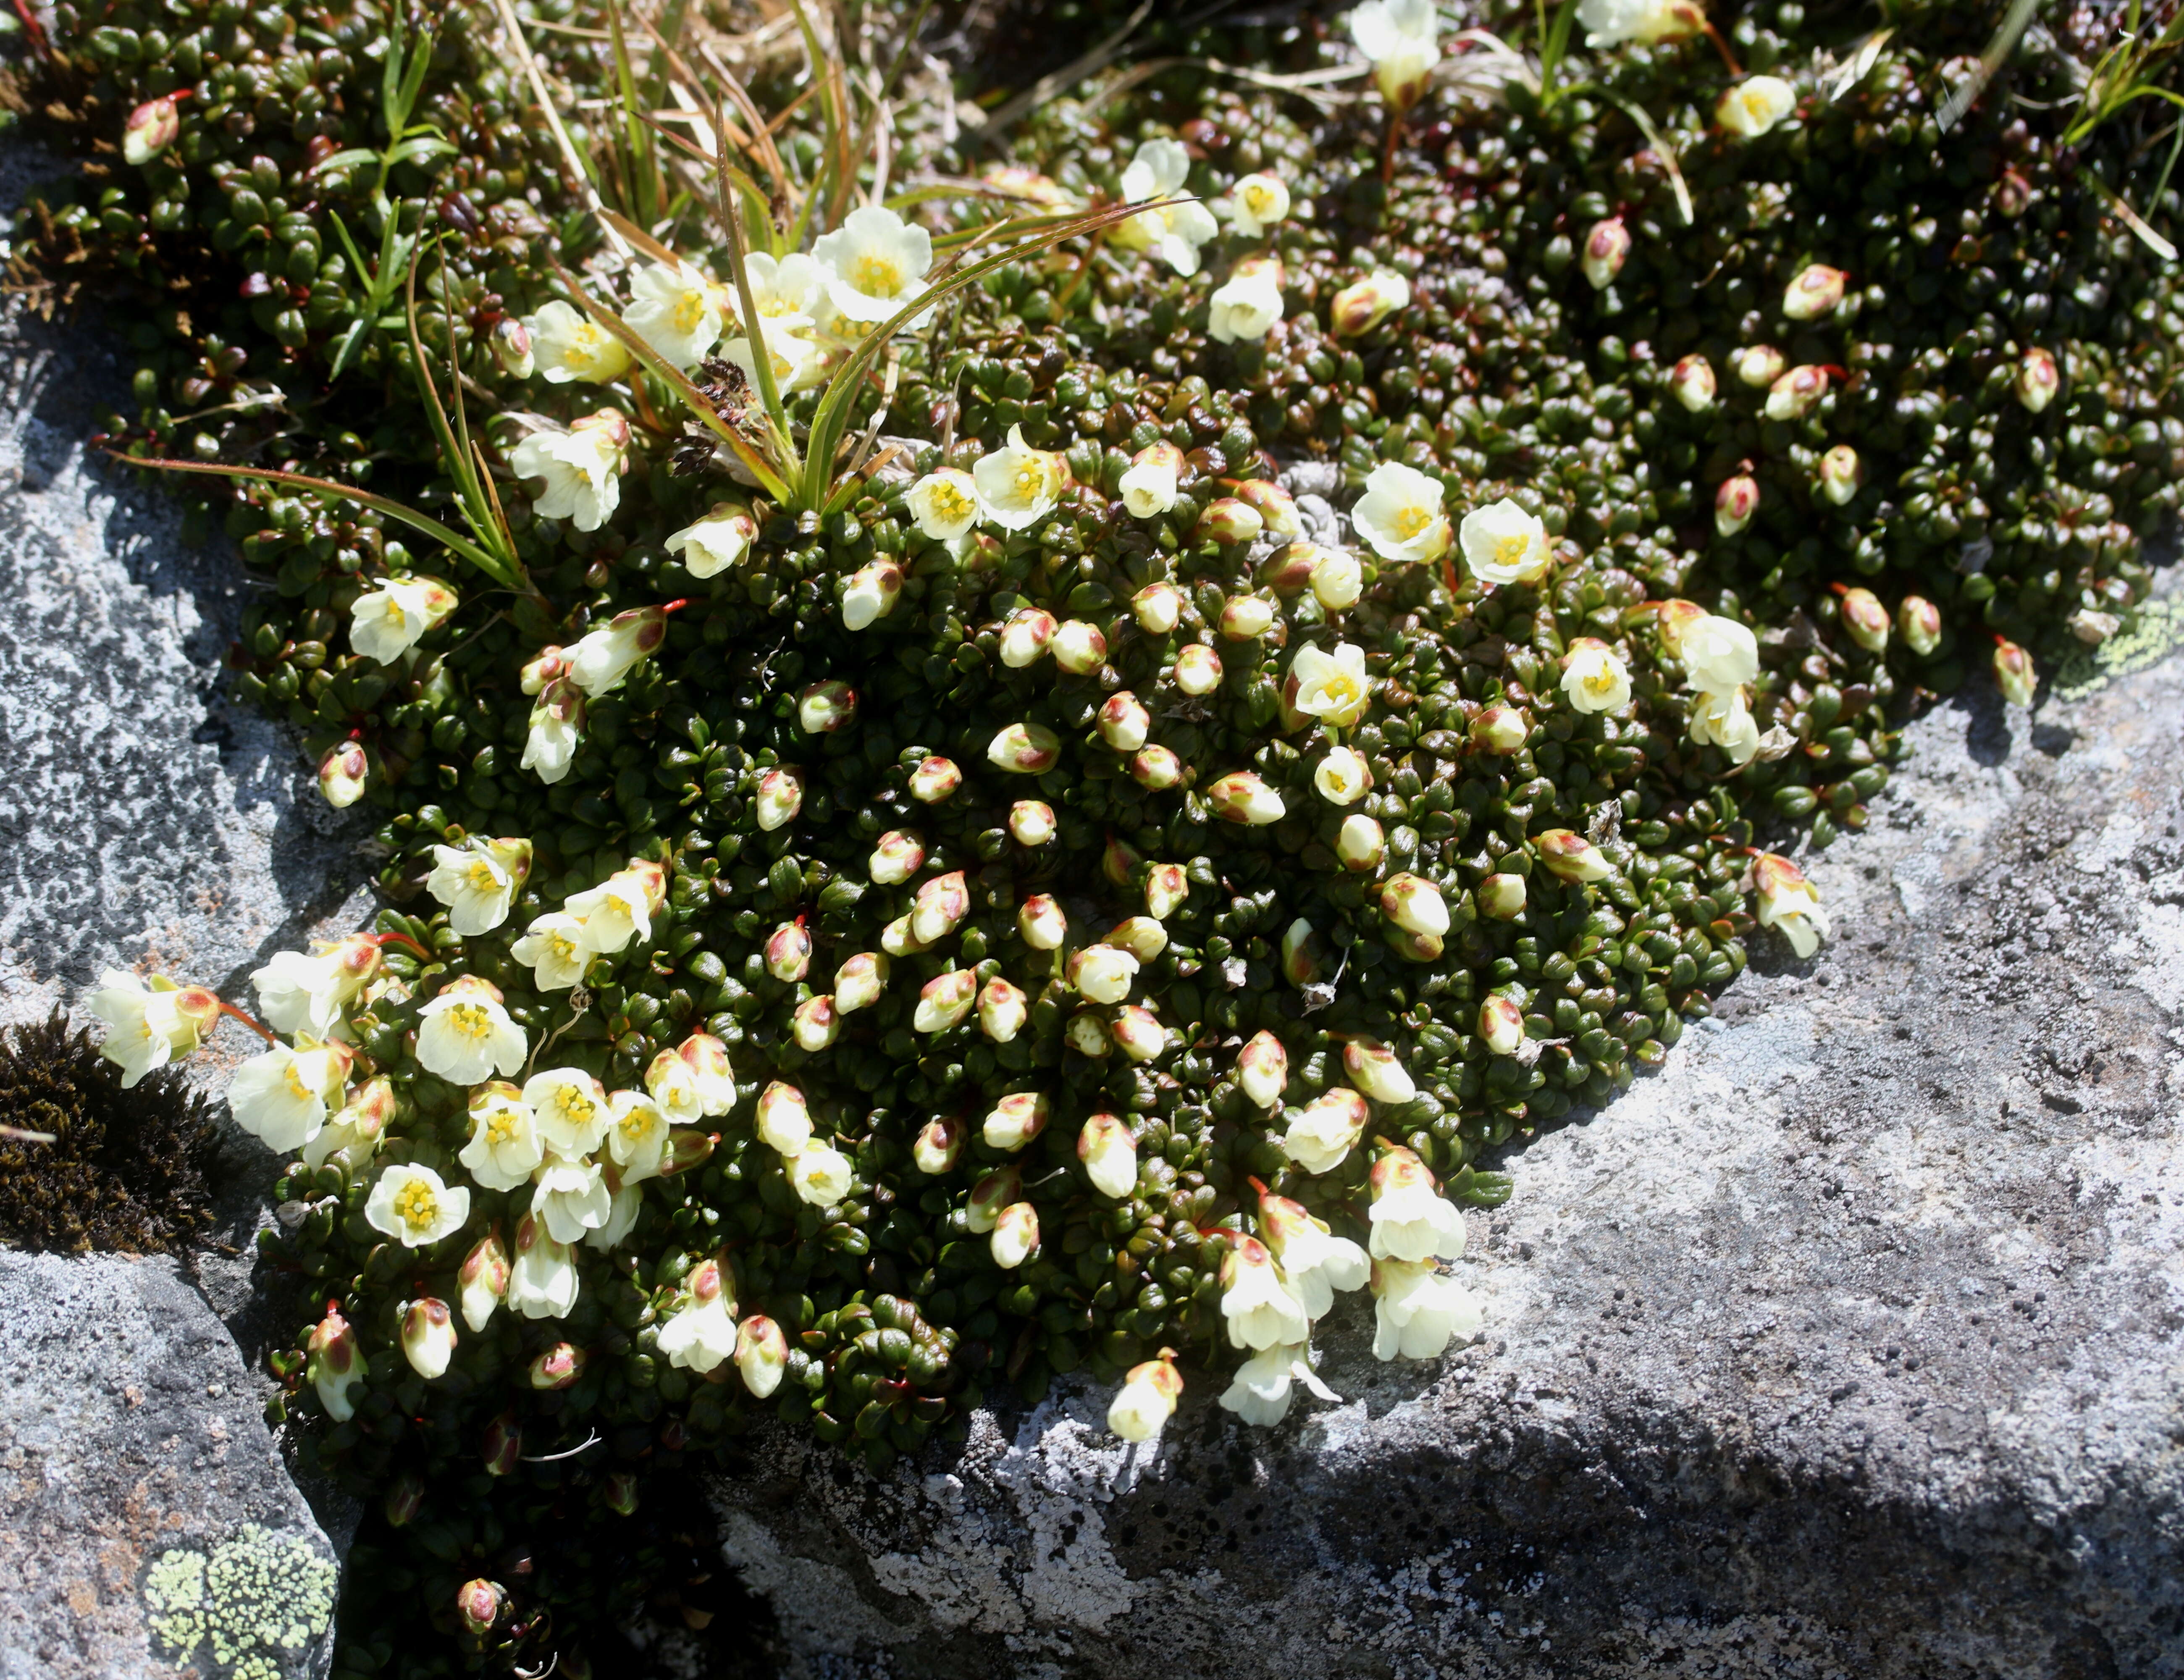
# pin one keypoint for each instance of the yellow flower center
(877, 275)
(1411, 522)
(1340, 690)
(577, 1109)
(394, 615)
(301, 1091)
(480, 877)
(415, 1205)
(1259, 200)
(1029, 481)
(1755, 107)
(1510, 550)
(1600, 679)
(502, 1127)
(470, 1021)
(950, 504)
(564, 947)
(584, 346)
(636, 1125)
(690, 310)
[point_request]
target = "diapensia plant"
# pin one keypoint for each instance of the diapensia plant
(996, 771)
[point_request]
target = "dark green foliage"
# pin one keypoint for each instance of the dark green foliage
(126, 1170)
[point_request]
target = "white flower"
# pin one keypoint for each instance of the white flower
(1325, 1130)
(414, 1205)
(464, 1035)
(582, 470)
(477, 881)
(707, 1059)
(820, 1174)
(1260, 1393)
(1018, 485)
(300, 993)
(553, 948)
(875, 262)
(1755, 105)
(1332, 687)
(716, 543)
(1102, 974)
(1315, 1262)
(428, 1337)
(1173, 228)
(794, 360)
(1401, 39)
(1788, 901)
(1410, 1221)
(283, 1096)
(618, 909)
(1593, 679)
(1015, 1235)
(780, 798)
(784, 1122)
(1145, 1401)
(870, 593)
(569, 1107)
(1418, 1311)
(1016, 1120)
(1109, 1155)
(557, 729)
(703, 1334)
(622, 1215)
(1343, 777)
(1258, 1305)
(147, 1026)
(1719, 654)
(543, 1281)
(1725, 722)
(785, 290)
(389, 619)
(676, 310)
(1337, 579)
(637, 1137)
(945, 503)
(1400, 516)
(1502, 543)
(570, 1198)
(1357, 308)
(673, 1083)
(762, 1355)
(1246, 306)
(598, 662)
(1609, 23)
(504, 1149)
(1257, 202)
(567, 344)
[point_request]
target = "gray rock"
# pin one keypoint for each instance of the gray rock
(147, 1524)
(1848, 1344)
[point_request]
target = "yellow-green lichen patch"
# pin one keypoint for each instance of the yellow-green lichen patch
(2159, 629)
(258, 1599)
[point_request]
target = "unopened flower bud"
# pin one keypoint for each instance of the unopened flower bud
(1016, 1119)
(1157, 607)
(989, 1195)
(483, 1279)
(335, 1364)
(1155, 768)
(1692, 383)
(1109, 1155)
(1797, 393)
(343, 774)
(1920, 620)
(548, 666)
(502, 1448)
(1337, 580)
(1102, 974)
(940, 907)
(1326, 1129)
(934, 780)
(1041, 921)
(897, 855)
(1086, 1033)
(869, 595)
(2013, 195)
(1815, 291)
(1758, 365)
(428, 1336)
(479, 1605)
(1275, 506)
(1374, 1068)
(404, 1500)
(1025, 749)
(150, 130)
(1124, 723)
(788, 953)
(1141, 936)
(1015, 1235)
(1734, 504)
(1606, 248)
(1229, 521)
(1241, 797)
(1031, 822)
(1026, 636)
(2038, 379)
(619, 1493)
(1002, 1010)
(1502, 1026)
(2013, 671)
(1119, 861)
(2092, 628)
(1501, 896)
(1079, 647)
(1569, 856)
(825, 707)
(511, 347)
(1148, 485)
(762, 1355)
(1244, 618)
(1414, 905)
(1197, 669)
(815, 1024)
(783, 1122)
(1168, 889)
(558, 1367)
(939, 1144)
(1841, 473)
(1362, 844)
(945, 1001)
(1865, 619)
(860, 981)
(1262, 1070)
(1501, 729)
(1358, 309)
(1303, 954)
(780, 798)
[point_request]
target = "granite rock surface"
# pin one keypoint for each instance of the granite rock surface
(1851, 1344)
